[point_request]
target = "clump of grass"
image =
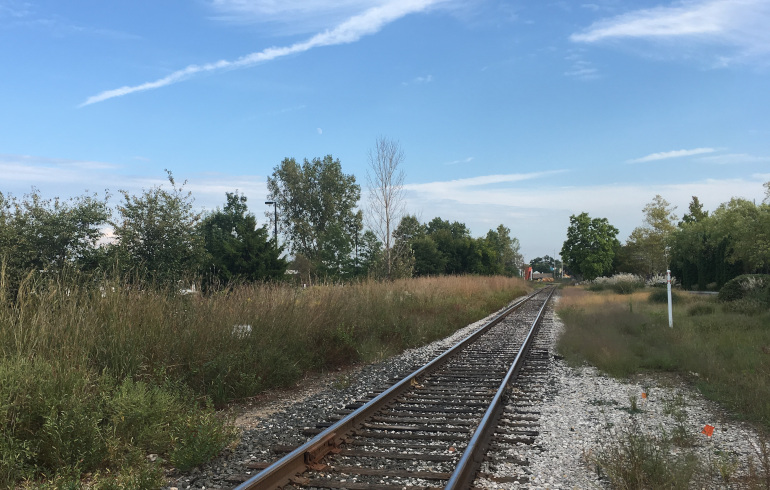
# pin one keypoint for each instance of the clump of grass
(635, 460)
(677, 409)
(701, 308)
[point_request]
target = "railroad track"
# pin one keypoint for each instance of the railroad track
(433, 428)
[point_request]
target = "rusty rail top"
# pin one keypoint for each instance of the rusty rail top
(280, 472)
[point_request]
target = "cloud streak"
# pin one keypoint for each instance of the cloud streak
(453, 186)
(736, 23)
(354, 28)
(664, 155)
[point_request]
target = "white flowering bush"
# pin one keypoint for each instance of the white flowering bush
(623, 283)
(659, 280)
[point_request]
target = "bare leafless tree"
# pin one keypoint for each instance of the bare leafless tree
(385, 179)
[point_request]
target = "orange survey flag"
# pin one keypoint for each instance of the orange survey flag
(708, 430)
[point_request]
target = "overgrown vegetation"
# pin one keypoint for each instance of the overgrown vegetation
(636, 460)
(97, 375)
(726, 350)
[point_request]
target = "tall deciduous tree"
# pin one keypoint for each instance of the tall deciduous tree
(590, 247)
(157, 234)
(648, 244)
(237, 249)
(316, 211)
(385, 179)
(508, 259)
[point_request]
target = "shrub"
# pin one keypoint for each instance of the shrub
(619, 283)
(626, 287)
(659, 295)
(753, 286)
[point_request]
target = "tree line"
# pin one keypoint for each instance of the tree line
(703, 249)
(158, 236)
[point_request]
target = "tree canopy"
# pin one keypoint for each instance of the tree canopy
(590, 247)
(237, 249)
(317, 211)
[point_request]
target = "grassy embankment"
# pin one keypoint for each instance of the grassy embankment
(723, 347)
(92, 380)
(728, 349)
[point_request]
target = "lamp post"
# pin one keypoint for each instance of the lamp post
(275, 219)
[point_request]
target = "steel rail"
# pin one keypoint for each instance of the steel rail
(282, 471)
(467, 467)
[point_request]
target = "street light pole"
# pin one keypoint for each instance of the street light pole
(275, 219)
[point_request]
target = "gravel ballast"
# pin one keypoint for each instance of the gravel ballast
(582, 413)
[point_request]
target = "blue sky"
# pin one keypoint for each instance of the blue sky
(512, 112)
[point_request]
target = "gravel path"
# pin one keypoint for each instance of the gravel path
(582, 412)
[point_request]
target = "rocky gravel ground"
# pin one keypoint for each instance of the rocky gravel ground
(583, 415)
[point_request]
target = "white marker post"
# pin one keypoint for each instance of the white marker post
(668, 287)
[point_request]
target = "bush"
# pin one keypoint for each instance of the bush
(619, 283)
(626, 287)
(659, 295)
(63, 421)
(747, 286)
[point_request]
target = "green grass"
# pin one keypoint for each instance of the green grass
(95, 376)
(725, 350)
(637, 461)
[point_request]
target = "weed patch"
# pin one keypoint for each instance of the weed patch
(635, 460)
(624, 335)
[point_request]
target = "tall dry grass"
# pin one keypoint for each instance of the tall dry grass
(239, 341)
(79, 358)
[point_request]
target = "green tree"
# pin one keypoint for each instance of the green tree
(745, 227)
(157, 234)
(49, 235)
(648, 245)
(590, 247)
(369, 261)
(316, 211)
(695, 214)
(428, 259)
(507, 256)
(237, 249)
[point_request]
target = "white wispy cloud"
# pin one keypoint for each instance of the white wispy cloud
(419, 80)
(453, 186)
(734, 158)
(672, 154)
(349, 31)
(462, 160)
(739, 24)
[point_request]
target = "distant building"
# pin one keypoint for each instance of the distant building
(540, 276)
